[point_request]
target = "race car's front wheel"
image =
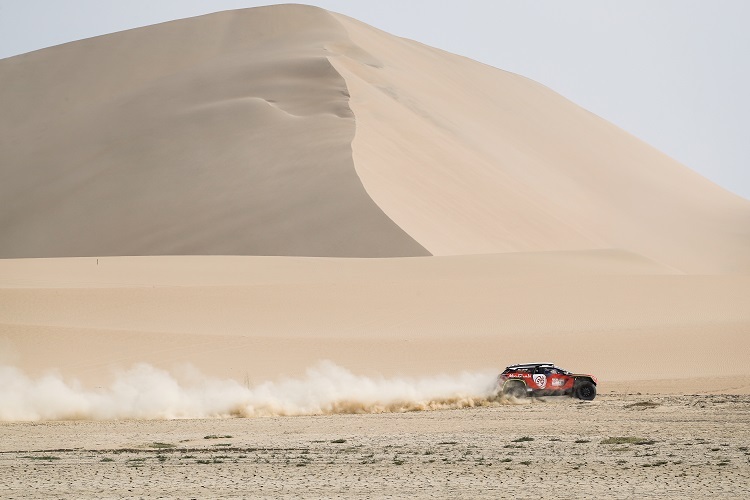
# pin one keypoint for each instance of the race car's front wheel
(586, 391)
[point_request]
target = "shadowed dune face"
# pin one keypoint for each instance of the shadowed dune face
(225, 134)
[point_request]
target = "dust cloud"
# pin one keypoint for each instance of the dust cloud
(146, 392)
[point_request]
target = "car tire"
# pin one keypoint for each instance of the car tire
(586, 391)
(514, 390)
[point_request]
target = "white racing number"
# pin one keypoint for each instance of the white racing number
(540, 380)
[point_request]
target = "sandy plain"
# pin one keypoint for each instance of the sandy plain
(664, 446)
(631, 322)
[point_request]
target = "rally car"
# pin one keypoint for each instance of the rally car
(545, 379)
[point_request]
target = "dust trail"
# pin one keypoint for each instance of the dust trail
(146, 392)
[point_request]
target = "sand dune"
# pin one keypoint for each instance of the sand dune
(233, 133)
(254, 158)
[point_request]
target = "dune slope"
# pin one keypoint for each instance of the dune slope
(225, 134)
(468, 158)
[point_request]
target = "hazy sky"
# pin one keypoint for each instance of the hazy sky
(675, 73)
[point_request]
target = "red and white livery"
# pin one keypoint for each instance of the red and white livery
(545, 379)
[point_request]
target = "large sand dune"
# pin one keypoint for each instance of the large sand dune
(232, 134)
(236, 158)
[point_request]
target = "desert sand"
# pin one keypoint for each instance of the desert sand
(618, 446)
(287, 215)
(614, 314)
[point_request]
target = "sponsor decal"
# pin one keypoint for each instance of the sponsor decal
(540, 380)
(557, 382)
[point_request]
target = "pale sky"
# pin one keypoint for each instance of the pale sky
(675, 73)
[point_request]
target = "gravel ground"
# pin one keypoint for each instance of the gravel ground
(619, 446)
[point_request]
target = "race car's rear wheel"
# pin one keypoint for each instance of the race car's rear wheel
(514, 390)
(586, 391)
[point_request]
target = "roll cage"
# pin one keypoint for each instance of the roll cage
(535, 368)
